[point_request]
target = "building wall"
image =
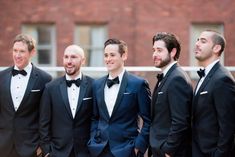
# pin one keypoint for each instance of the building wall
(134, 21)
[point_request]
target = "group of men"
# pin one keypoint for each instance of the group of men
(77, 116)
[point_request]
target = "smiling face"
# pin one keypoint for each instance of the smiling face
(21, 54)
(113, 59)
(161, 56)
(73, 60)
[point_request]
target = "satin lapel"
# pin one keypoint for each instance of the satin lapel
(83, 88)
(166, 76)
(208, 77)
(64, 93)
(121, 91)
(32, 80)
(100, 98)
(7, 86)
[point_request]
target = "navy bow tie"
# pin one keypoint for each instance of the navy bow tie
(111, 82)
(16, 72)
(159, 77)
(201, 73)
(76, 82)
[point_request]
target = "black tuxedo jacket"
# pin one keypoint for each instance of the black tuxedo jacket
(19, 128)
(171, 105)
(59, 131)
(213, 122)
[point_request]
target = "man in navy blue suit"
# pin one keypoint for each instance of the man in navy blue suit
(171, 102)
(21, 87)
(213, 111)
(120, 99)
(66, 108)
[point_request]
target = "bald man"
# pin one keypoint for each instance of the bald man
(66, 108)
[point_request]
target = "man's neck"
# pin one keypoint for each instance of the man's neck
(114, 74)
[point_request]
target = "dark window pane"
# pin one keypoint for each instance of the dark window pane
(44, 56)
(44, 34)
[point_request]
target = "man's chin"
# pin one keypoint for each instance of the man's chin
(70, 73)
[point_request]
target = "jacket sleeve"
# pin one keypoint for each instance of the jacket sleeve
(224, 99)
(44, 121)
(144, 103)
(180, 99)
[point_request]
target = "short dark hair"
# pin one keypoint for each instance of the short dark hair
(29, 41)
(171, 41)
(218, 39)
(122, 46)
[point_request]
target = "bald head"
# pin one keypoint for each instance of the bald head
(74, 49)
(73, 59)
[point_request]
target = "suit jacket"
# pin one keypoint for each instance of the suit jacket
(120, 131)
(59, 131)
(170, 128)
(19, 128)
(213, 122)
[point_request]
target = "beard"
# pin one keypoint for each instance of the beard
(164, 62)
(72, 71)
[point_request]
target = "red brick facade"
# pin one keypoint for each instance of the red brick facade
(134, 21)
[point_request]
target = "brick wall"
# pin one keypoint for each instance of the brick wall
(134, 21)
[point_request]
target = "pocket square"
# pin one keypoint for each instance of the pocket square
(87, 98)
(160, 93)
(204, 92)
(126, 93)
(35, 90)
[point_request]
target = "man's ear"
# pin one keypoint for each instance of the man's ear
(83, 61)
(124, 56)
(33, 52)
(173, 53)
(216, 49)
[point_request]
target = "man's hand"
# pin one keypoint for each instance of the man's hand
(39, 152)
(166, 155)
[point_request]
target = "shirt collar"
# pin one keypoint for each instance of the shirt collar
(28, 68)
(120, 76)
(77, 77)
(168, 68)
(210, 66)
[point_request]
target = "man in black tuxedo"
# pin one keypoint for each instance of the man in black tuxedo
(21, 87)
(213, 111)
(171, 101)
(66, 108)
(120, 99)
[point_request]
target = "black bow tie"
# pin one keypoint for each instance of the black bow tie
(76, 82)
(201, 73)
(16, 72)
(111, 82)
(159, 77)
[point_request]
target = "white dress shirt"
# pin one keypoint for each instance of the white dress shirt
(18, 86)
(110, 94)
(73, 94)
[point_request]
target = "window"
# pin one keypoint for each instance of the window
(91, 38)
(195, 32)
(45, 39)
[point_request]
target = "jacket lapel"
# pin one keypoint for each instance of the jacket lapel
(121, 91)
(208, 77)
(166, 76)
(7, 85)
(64, 93)
(32, 80)
(83, 88)
(100, 98)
